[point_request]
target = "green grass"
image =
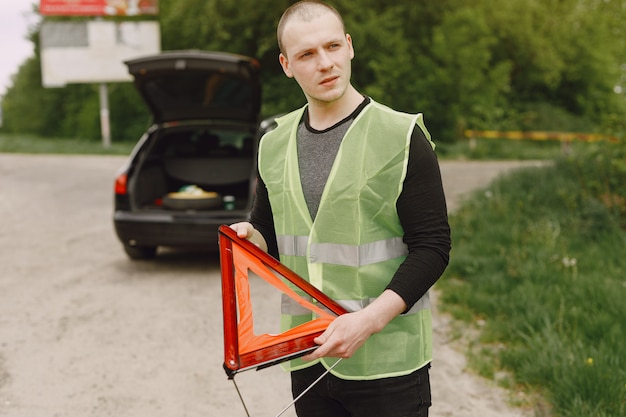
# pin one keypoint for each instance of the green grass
(539, 261)
(10, 143)
(506, 149)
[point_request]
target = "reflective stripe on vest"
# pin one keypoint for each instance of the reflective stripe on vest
(339, 254)
(292, 245)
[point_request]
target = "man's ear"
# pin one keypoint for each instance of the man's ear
(349, 40)
(284, 62)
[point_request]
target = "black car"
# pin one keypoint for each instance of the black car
(194, 168)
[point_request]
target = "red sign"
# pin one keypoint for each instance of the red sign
(98, 7)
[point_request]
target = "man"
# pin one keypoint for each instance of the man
(350, 197)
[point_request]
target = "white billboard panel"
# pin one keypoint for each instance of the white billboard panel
(94, 52)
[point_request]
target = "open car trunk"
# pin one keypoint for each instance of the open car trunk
(191, 169)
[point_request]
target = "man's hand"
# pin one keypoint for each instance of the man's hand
(348, 332)
(245, 230)
(343, 337)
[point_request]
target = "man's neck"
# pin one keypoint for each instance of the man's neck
(323, 115)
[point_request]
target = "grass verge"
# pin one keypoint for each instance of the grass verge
(539, 265)
(10, 143)
(484, 149)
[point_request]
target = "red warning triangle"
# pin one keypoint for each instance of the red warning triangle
(243, 349)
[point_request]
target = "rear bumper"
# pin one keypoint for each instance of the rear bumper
(164, 229)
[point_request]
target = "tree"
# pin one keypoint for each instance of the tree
(518, 64)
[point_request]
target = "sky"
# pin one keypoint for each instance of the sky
(15, 18)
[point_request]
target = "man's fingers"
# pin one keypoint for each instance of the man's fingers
(243, 229)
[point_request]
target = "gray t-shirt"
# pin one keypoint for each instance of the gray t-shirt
(316, 153)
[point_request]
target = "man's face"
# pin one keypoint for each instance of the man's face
(317, 54)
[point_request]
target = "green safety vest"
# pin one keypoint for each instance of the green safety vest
(354, 246)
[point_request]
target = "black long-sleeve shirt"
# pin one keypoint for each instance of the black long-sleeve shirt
(422, 211)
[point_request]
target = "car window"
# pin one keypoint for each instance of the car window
(208, 143)
(200, 90)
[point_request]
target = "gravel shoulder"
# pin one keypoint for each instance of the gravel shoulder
(86, 332)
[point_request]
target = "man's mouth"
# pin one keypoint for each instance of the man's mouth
(329, 80)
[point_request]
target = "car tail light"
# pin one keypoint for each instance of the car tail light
(121, 183)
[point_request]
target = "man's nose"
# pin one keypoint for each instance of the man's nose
(324, 61)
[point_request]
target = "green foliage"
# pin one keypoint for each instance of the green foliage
(478, 64)
(70, 112)
(539, 257)
(471, 88)
(602, 176)
(128, 113)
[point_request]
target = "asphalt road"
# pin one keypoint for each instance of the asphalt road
(86, 332)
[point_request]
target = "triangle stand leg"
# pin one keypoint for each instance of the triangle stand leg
(241, 398)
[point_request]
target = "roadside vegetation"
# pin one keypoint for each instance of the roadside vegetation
(505, 149)
(484, 149)
(31, 144)
(466, 64)
(538, 272)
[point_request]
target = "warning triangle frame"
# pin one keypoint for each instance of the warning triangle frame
(281, 347)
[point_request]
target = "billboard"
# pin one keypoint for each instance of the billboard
(94, 51)
(98, 7)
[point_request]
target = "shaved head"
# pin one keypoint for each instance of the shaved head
(305, 11)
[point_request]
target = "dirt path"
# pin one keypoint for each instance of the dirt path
(86, 333)
(458, 392)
